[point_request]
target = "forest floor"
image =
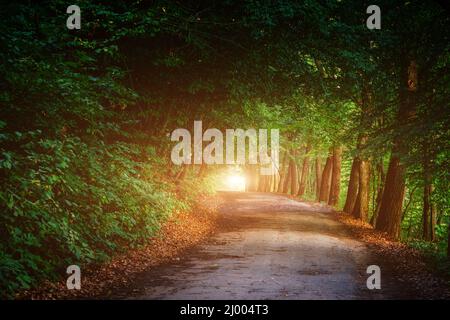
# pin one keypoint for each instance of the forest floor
(409, 267)
(261, 246)
(182, 231)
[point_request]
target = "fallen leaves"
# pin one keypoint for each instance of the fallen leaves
(408, 264)
(183, 230)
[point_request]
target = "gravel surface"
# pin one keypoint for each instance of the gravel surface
(268, 246)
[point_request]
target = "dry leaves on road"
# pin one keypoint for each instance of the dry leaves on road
(408, 264)
(180, 232)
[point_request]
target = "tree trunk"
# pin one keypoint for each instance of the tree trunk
(287, 179)
(294, 181)
(271, 180)
(352, 191)
(318, 177)
(429, 211)
(361, 209)
(426, 212)
(335, 177)
(429, 214)
(389, 218)
(283, 172)
(380, 188)
(390, 213)
(274, 182)
(326, 177)
(311, 180)
(305, 171)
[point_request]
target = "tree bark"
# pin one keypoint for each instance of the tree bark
(271, 180)
(287, 179)
(283, 172)
(380, 188)
(335, 186)
(361, 209)
(326, 177)
(294, 179)
(390, 213)
(305, 171)
(429, 214)
(318, 177)
(274, 182)
(429, 210)
(352, 191)
(389, 218)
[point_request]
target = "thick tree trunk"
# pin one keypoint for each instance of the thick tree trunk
(361, 209)
(335, 186)
(305, 171)
(318, 177)
(352, 191)
(390, 214)
(326, 180)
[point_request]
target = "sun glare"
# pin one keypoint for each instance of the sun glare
(236, 183)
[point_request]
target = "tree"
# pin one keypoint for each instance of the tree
(326, 180)
(390, 214)
(361, 208)
(318, 175)
(293, 173)
(352, 190)
(304, 172)
(335, 176)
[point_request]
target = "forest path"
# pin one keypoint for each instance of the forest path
(268, 246)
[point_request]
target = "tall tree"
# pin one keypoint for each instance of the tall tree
(335, 185)
(326, 180)
(361, 208)
(429, 210)
(390, 214)
(304, 172)
(318, 175)
(283, 172)
(352, 190)
(293, 171)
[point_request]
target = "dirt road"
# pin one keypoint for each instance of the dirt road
(268, 247)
